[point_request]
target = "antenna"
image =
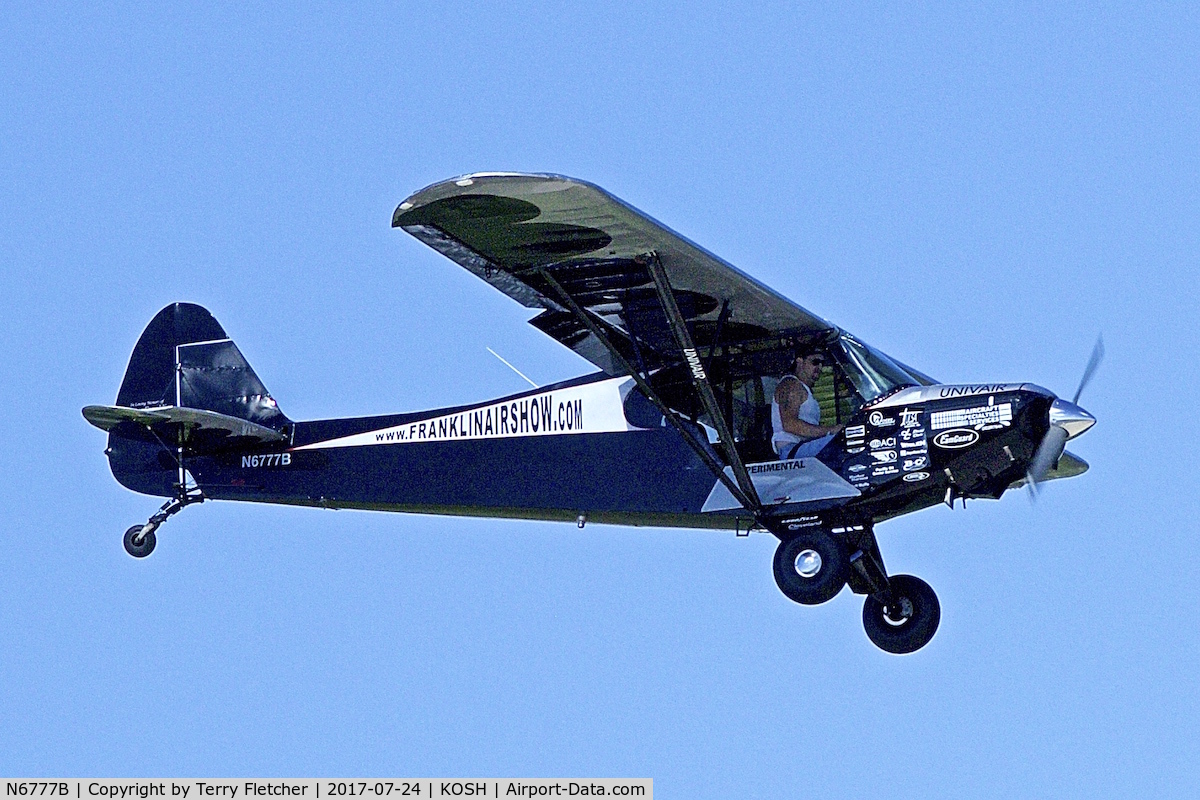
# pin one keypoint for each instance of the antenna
(510, 366)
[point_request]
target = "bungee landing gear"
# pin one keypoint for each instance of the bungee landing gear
(900, 614)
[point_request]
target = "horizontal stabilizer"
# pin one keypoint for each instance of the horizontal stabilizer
(185, 426)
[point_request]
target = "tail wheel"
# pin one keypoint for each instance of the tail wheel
(906, 620)
(139, 546)
(811, 567)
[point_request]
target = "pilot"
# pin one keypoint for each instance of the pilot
(796, 426)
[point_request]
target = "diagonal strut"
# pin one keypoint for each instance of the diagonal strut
(669, 414)
(699, 376)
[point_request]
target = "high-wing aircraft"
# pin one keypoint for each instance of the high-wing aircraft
(673, 430)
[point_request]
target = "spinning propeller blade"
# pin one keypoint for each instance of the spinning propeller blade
(1090, 369)
(1047, 453)
(1066, 421)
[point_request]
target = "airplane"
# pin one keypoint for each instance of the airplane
(672, 430)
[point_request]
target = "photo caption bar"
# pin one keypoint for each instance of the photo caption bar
(321, 788)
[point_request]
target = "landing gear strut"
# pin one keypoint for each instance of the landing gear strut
(901, 613)
(140, 539)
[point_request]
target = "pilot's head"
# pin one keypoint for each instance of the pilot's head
(807, 362)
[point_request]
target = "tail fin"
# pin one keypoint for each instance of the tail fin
(185, 358)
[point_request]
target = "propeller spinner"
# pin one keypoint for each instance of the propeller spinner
(1067, 420)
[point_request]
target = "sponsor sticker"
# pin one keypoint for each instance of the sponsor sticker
(856, 432)
(797, 523)
(889, 469)
(982, 388)
(993, 415)
(914, 477)
(910, 419)
(880, 444)
(956, 438)
(884, 456)
(911, 464)
(853, 450)
(858, 467)
(880, 421)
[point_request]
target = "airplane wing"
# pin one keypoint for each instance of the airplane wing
(514, 230)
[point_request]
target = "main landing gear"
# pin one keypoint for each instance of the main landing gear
(901, 612)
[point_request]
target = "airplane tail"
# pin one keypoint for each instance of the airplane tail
(184, 358)
(185, 374)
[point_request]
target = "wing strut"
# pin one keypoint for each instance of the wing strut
(699, 376)
(669, 414)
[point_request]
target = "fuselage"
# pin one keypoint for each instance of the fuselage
(595, 448)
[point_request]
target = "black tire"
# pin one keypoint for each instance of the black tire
(139, 549)
(823, 570)
(909, 622)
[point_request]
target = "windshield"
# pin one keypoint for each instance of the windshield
(871, 372)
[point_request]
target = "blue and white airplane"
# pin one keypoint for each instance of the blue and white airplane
(674, 429)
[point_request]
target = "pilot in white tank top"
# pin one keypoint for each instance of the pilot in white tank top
(810, 412)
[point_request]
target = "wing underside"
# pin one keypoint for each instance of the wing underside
(524, 233)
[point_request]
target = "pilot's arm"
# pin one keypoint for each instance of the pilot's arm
(791, 395)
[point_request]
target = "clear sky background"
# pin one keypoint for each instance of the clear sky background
(979, 193)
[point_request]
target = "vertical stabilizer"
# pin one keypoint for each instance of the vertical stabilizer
(184, 358)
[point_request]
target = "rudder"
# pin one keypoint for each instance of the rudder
(185, 358)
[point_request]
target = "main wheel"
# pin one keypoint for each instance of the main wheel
(139, 548)
(907, 622)
(811, 567)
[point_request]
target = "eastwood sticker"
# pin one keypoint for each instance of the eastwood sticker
(590, 408)
(956, 438)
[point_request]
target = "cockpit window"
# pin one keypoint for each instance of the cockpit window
(872, 373)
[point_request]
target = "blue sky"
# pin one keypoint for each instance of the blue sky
(977, 192)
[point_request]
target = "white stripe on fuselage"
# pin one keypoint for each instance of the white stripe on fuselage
(589, 408)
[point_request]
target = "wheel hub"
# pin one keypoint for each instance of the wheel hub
(808, 563)
(898, 612)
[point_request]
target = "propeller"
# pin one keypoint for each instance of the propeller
(1062, 417)
(1090, 369)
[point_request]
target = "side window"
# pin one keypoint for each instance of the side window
(838, 399)
(640, 412)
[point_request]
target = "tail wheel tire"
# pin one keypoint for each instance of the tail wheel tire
(906, 622)
(139, 547)
(810, 568)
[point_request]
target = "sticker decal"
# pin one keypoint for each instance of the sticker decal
(993, 415)
(880, 421)
(956, 438)
(984, 388)
(914, 477)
